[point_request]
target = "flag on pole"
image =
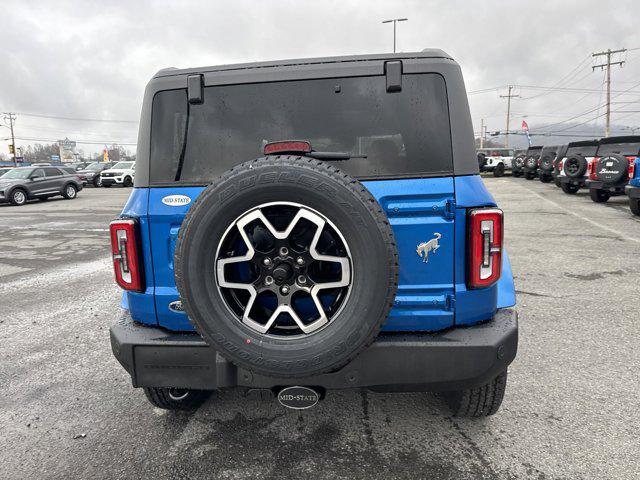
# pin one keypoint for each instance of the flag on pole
(525, 128)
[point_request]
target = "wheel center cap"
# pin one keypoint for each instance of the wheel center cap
(282, 272)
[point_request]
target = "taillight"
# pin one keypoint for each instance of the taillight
(592, 168)
(560, 165)
(632, 167)
(125, 249)
(288, 146)
(485, 247)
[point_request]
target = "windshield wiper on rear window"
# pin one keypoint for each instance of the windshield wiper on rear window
(333, 155)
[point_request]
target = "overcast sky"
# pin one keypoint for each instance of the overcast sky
(89, 59)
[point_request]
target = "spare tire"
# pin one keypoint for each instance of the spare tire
(531, 162)
(546, 162)
(612, 169)
(287, 266)
(575, 166)
(518, 162)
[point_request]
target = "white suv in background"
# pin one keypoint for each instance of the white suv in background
(496, 160)
(122, 173)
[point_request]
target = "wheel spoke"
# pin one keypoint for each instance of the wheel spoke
(284, 302)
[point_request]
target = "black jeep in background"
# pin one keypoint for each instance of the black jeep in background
(530, 163)
(26, 183)
(609, 171)
(545, 163)
(517, 165)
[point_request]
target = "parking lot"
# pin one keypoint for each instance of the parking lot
(571, 409)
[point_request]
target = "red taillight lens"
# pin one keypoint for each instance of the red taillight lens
(560, 165)
(485, 247)
(592, 168)
(126, 254)
(288, 146)
(632, 167)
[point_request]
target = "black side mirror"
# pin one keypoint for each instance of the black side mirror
(35, 177)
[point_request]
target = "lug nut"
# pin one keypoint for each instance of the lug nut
(266, 261)
(284, 290)
(284, 251)
(300, 261)
(302, 279)
(268, 280)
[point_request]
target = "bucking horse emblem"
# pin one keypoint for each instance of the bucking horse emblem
(431, 246)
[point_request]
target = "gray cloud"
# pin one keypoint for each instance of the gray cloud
(92, 59)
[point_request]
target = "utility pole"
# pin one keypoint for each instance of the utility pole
(11, 117)
(395, 20)
(483, 132)
(607, 65)
(508, 96)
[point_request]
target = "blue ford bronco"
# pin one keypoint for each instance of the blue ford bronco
(307, 225)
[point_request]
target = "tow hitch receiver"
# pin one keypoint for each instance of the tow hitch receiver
(298, 398)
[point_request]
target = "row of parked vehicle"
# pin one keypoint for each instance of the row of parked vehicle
(43, 180)
(607, 167)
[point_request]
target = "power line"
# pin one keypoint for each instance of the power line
(76, 119)
(568, 75)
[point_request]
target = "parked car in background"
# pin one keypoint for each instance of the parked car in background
(26, 183)
(612, 168)
(517, 164)
(560, 154)
(496, 160)
(41, 164)
(633, 189)
(122, 173)
(92, 172)
(544, 166)
(530, 164)
(574, 165)
(77, 165)
(72, 171)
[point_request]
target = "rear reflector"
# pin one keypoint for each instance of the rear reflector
(125, 251)
(484, 247)
(288, 146)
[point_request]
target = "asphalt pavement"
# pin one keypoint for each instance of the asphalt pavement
(68, 410)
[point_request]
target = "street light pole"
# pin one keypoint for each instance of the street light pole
(395, 20)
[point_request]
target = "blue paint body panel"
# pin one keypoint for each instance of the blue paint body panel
(635, 181)
(431, 296)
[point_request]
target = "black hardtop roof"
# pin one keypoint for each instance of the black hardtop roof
(535, 147)
(621, 139)
(583, 143)
(551, 147)
(426, 53)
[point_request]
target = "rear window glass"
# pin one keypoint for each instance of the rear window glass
(621, 148)
(585, 150)
(403, 133)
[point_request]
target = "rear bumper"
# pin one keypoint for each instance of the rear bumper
(455, 359)
(580, 181)
(598, 185)
(632, 191)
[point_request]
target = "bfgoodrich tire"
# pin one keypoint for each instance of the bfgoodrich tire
(569, 188)
(634, 205)
(599, 196)
(233, 211)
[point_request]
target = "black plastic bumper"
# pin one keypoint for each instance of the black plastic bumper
(455, 359)
(599, 185)
(632, 191)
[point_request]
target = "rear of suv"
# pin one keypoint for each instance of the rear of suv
(613, 167)
(530, 164)
(546, 162)
(574, 166)
(308, 225)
